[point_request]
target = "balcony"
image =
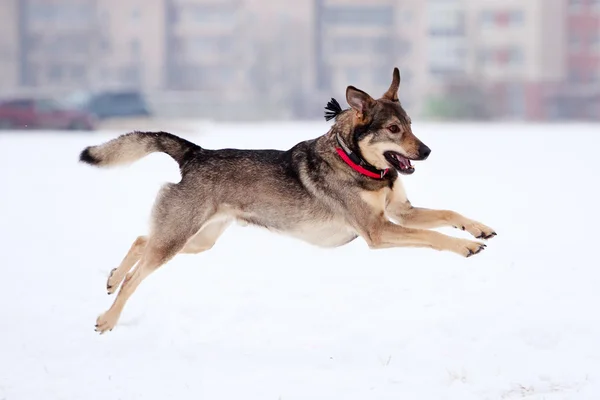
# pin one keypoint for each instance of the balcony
(359, 15)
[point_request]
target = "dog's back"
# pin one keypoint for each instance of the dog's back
(269, 188)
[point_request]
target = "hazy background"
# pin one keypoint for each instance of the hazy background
(263, 316)
(240, 60)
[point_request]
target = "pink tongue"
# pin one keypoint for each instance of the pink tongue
(404, 162)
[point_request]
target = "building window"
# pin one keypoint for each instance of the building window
(487, 19)
(516, 18)
(515, 97)
(78, 72)
(515, 56)
(446, 23)
(359, 15)
(512, 18)
(210, 14)
(447, 54)
(484, 56)
(60, 12)
(406, 17)
(595, 42)
(364, 45)
(574, 42)
(135, 14)
(210, 44)
(576, 75)
(55, 73)
(575, 6)
(135, 48)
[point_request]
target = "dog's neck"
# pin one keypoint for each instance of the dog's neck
(349, 153)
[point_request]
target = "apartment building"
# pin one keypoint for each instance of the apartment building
(57, 41)
(151, 44)
(446, 39)
(519, 51)
(130, 36)
(579, 96)
(9, 48)
(354, 44)
(66, 45)
(583, 27)
(410, 53)
(359, 43)
(204, 47)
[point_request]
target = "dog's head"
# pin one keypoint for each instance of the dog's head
(381, 129)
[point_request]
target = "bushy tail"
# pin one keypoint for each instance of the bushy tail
(135, 145)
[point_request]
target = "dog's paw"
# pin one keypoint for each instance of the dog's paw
(105, 322)
(467, 248)
(477, 229)
(113, 281)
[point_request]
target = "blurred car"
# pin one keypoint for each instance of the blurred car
(42, 113)
(111, 104)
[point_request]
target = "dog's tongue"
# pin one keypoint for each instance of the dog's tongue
(404, 162)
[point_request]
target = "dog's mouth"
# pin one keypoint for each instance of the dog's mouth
(399, 162)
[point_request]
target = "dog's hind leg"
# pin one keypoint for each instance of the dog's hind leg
(175, 220)
(133, 256)
(156, 254)
(206, 238)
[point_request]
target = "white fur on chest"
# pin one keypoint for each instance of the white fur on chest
(398, 192)
(329, 234)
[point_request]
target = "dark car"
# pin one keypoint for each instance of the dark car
(42, 113)
(112, 104)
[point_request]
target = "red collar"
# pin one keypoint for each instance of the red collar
(357, 163)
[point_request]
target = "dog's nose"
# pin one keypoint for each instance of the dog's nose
(424, 151)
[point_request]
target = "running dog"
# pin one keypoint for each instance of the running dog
(326, 191)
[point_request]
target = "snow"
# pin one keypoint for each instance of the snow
(262, 316)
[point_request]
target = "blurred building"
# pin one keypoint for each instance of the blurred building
(519, 52)
(56, 42)
(446, 38)
(9, 44)
(205, 45)
(534, 59)
(355, 43)
(130, 36)
(578, 96)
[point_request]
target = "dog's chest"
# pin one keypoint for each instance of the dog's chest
(332, 233)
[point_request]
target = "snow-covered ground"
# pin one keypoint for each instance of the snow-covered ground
(264, 317)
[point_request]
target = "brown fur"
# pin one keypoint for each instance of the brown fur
(307, 192)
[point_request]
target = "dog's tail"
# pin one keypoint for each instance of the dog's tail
(132, 146)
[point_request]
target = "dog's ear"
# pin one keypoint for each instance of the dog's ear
(392, 92)
(359, 100)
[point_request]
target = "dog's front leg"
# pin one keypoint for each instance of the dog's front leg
(388, 235)
(425, 218)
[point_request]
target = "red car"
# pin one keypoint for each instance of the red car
(42, 113)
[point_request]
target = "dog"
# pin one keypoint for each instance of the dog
(326, 191)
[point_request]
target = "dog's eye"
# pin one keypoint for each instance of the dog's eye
(394, 128)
